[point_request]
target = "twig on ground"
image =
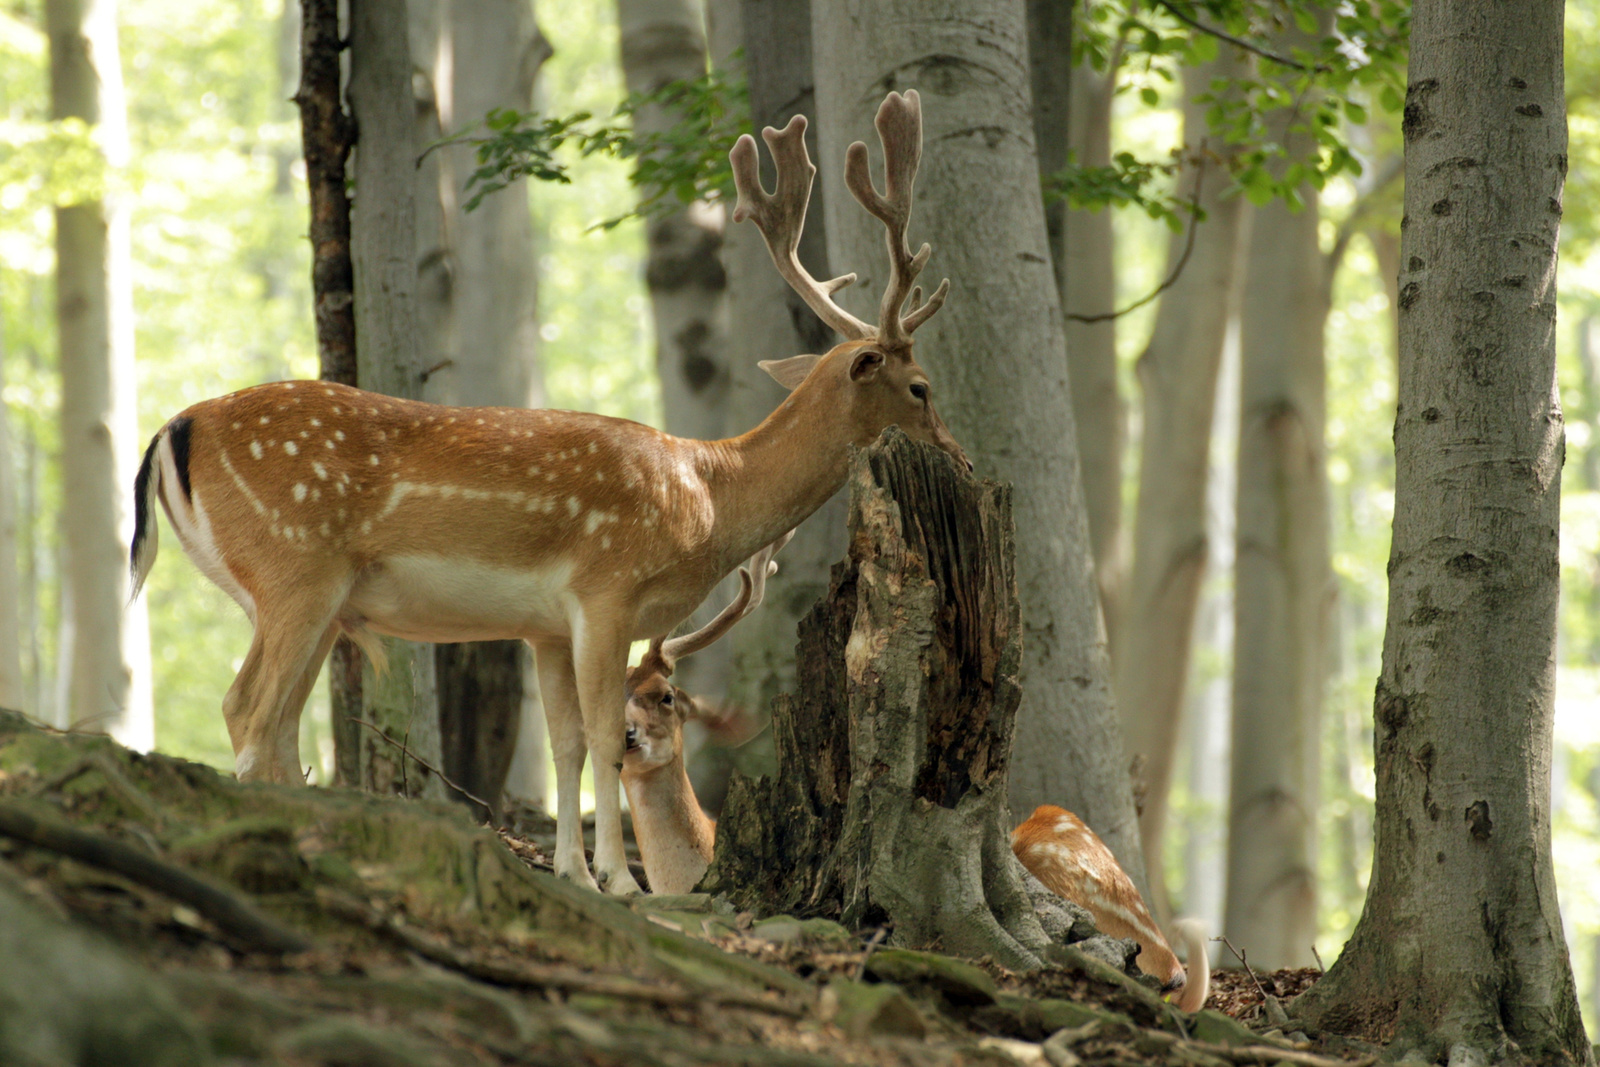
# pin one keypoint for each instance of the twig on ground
(866, 954)
(233, 915)
(1247, 968)
(535, 975)
(1318, 957)
(405, 751)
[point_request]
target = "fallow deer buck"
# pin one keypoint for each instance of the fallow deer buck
(1060, 850)
(322, 509)
(674, 835)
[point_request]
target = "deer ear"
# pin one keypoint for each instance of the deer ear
(864, 364)
(790, 372)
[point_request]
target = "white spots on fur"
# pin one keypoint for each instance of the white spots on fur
(264, 420)
(599, 476)
(366, 526)
(373, 459)
(382, 436)
(328, 445)
(447, 491)
(324, 531)
(478, 421)
(238, 425)
(573, 507)
(593, 448)
(255, 450)
(505, 448)
(299, 491)
(596, 519)
(316, 422)
(605, 541)
(338, 435)
(532, 471)
(305, 433)
(337, 410)
(255, 501)
(329, 392)
(290, 447)
(339, 486)
(319, 470)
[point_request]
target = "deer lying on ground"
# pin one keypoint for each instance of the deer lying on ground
(674, 835)
(322, 509)
(1060, 850)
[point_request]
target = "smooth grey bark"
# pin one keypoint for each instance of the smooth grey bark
(383, 242)
(663, 41)
(768, 320)
(995, 353)
(1090, 288)
(1178, 374)
(1050, 81)
(13, 692)
(1283, 576)
(1459, 950)
(105, 640)
(477, 297)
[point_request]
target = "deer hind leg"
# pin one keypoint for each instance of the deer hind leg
(290, 640)
(600, 655)
(294, 706)
(558, 690)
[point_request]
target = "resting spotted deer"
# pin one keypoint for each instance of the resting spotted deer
(323, 509)
(674, 835)
(1060, 850)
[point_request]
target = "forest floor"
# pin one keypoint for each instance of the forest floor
(204, 921)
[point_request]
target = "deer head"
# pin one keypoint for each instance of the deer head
(886, 386)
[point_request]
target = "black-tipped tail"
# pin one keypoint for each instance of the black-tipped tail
(146, 489)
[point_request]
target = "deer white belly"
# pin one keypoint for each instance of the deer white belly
(440, 599)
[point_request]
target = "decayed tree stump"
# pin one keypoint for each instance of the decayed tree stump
(889, 805)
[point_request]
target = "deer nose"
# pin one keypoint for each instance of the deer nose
(633, 737)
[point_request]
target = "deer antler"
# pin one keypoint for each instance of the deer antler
(781, 216)
(752, 589)
(899, 125)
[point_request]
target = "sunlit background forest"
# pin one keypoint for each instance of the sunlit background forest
(222, 300)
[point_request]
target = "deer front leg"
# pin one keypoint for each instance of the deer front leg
(600, 654)
(558, 690)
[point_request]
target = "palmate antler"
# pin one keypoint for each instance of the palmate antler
(781, 216)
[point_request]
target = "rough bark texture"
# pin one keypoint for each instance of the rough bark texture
(1178, 373)
(403, 700)
(995, 353)
(1090, 288)
(1459, 950)
(105, 640)
(1283, 579)
(889, 803)
(768, 320)
(326, 134)
(476, 273)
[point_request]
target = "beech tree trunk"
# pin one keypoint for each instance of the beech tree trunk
(1459, 951)
(13, 692)
(889, 804)
(995, 353)
(1090, 288)
(1178, 373)
(768, 320)
(1283, 577)
(663, 41)
(403, 701)
(105, 645)
(477, 273)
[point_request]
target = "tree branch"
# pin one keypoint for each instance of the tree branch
(1222, 35)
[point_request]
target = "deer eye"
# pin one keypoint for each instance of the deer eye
(919, 390)
(666, 699)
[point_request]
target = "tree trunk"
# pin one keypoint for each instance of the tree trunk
(768, 320)
(1459, 950)
(326, 135)
(889, 804)
(1050, 75)
(403, 701)
(996, 353)
(1283, 580)
(13, 693)
(1090, 288)
(478, 275)
(1178, 372)
(662, 42)
(106, 644)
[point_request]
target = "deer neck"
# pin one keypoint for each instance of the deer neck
(765, 482)
(675, 837)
